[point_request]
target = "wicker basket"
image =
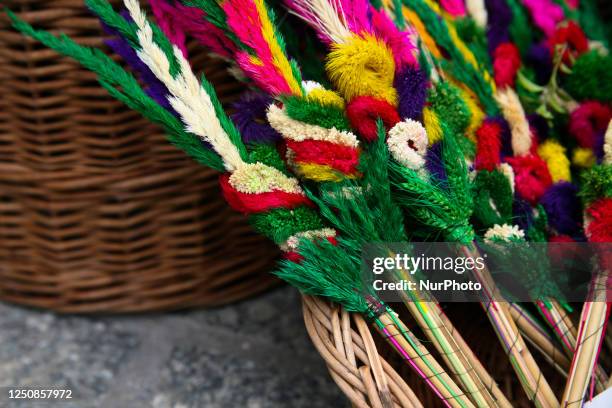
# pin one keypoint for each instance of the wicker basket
(365, 368)
(98, 213)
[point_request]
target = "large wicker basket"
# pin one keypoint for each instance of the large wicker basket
(98, 213)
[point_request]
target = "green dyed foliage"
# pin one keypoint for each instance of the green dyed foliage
(105, 11)
(440, 209)
(330, 271)
(314, 113)
(456, 65)
(281, 223)
(306, 49)
(364, 210)
(520, 29)
(423, 61)
(596, 183)
(591, 77)
(475, 38)
(226, 123)
(568, 12)
(398, 14)
(590, 19)
(468, 148)
(447, 102)
(166, 46)
(537, 230)
(459, 186)
(267, 154)
(113, 19)
(492, 199)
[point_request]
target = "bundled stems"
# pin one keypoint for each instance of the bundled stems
(560, 322)
(410, 348)
(566, 332)
(539, 339)
(482, 372)
(535, 385)
(478, 383)
(593, 319)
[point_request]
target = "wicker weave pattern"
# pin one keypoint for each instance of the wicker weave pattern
(97, 211)
(352, 358)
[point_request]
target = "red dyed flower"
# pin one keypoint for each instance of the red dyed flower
(342, 158)
(294, 257)
(600, 227)
(364, 111)
(571, 35)
(488, 138)
(589, 119)
(506, 63)
(247, 203)
(531, 176)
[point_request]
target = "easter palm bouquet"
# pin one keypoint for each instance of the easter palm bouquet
(415, 131)
(544, 57)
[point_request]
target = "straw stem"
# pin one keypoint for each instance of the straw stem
(530, 375)
(560, 322)
(411, 349)
(539, 339)
(590, 336)
(428, 314)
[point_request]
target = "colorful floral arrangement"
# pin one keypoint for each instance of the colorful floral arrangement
(482, 121)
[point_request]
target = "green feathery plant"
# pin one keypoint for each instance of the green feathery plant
(331, 271)
(442, 207)
(493, 199)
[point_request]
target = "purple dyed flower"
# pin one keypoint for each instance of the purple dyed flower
(538, 56)
(539, 124)
(153, 86)
(562, 207)
(250, 119)
(500, 17)
(433, 162)
(411, 84)
(598, 149)
(522, 212)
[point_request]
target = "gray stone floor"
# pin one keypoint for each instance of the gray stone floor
(255, 354)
